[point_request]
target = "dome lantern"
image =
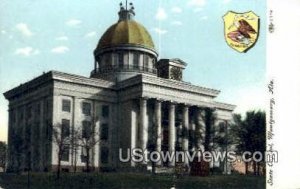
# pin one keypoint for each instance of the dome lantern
(125, 13)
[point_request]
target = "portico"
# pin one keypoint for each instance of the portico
(167, 121)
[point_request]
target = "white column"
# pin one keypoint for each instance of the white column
(185, 141)
(200, 131)
(133, 130)
(32, 135)
(23, 135)
(76, 150)
(172, 132)
(42, 135)
(143, 124)
(9, 155)
(158, 125)
(192, 128)
(96, 127)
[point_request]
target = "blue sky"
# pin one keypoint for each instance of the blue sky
(38, 36)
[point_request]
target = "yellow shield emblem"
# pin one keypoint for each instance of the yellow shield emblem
(241, 30)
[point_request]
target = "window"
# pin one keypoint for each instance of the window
(65, 153)
(104, 131)
(153, 61)
(104, 155)
(136, 60)
(86, 108)
(21, 115)
(36, 131)
(105, 111)
(222, 127)
(29, 112)
(83, 155)
(121, 59)
(65, 128)
(146, 62)
(86, 129)
(114, 61)
(38, 109)
(66, 105)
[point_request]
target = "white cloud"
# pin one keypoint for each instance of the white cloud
(197, 3)
(161, 14)
(176, 23)
(176, 10)
(160, 31)
(27, 51)
(23, 28)
(3, 31)
(226, 1)
(91, 34)
(62, 38)
(73, 22)
(60, 50)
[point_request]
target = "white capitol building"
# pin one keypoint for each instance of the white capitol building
(132, 98)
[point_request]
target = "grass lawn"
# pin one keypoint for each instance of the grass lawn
(129, 181)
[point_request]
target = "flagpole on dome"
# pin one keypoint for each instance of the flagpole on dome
(124, 13)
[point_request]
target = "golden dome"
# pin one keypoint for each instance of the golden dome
(126, 32)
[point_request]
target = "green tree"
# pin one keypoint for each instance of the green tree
(209, 122)
(87, 137)
(3, 148)
(249, 134)
(61, 138)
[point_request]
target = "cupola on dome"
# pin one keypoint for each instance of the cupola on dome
(126, 32)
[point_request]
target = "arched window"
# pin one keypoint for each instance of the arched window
(222, 127)
(136, 58)
(121, 59)
(146, 62)
(105, 62)
(114, 60)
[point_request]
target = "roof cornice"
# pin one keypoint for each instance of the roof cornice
(179, 85)
(58, 76)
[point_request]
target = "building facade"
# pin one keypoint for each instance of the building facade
(131, 100)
